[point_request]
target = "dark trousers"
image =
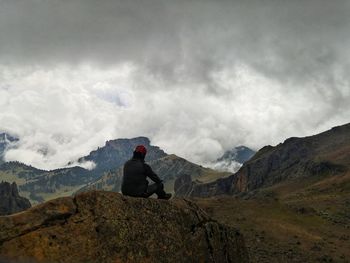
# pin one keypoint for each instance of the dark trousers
(156, 188)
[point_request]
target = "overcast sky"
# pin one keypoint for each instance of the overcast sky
(197, 77)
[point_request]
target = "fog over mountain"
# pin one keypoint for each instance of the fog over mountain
(197, 77)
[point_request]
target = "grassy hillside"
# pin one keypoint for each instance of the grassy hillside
(39, 185)
(305, 220)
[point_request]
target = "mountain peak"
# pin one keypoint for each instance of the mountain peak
(137, 140)
(116, 152)
(239, 154)
(233, 159)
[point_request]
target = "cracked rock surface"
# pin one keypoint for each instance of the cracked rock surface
(108, 227)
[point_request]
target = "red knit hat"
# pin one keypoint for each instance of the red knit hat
(141, 149)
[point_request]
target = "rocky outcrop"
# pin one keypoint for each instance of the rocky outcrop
(324, 154)
(108, 227)
(10, 201)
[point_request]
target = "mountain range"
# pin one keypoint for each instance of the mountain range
(325, 154)
(39, 185)
(169, 168)
(291, 201)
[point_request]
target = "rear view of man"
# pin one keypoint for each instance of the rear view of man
(135, 176)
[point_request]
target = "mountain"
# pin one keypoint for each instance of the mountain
(10, 201)
(40, 185)
(168, 168)
(239, 154)
(6, 141)
(233, 159)
(116, 152)
(108, 227)
(290, 201)
(318, 156)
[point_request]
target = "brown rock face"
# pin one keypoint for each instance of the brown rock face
(108, 227)
(10, 200)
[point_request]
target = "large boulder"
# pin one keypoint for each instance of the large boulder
(101, 226)
(10, 200)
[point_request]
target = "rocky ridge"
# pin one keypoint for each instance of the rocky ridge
(325, 154)
(108, 227)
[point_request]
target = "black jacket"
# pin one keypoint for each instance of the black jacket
(134, 178)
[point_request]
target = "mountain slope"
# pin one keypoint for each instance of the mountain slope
(167, 168)
(325, 154)
(108, 227)
(39, 185)
(291, 201)
(19, 172)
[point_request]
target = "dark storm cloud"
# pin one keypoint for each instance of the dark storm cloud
(213, 73)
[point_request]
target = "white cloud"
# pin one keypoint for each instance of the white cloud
(197, 77)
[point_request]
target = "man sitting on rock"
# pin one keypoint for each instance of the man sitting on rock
(135, 176)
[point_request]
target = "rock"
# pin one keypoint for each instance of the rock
(101, 226)
(10, 200)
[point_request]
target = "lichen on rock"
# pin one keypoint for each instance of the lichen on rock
(108, 227)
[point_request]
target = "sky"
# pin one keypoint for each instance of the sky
(197, 77)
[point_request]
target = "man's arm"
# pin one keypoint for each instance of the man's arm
(151, 174)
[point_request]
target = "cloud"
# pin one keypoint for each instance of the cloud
(197, 77)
